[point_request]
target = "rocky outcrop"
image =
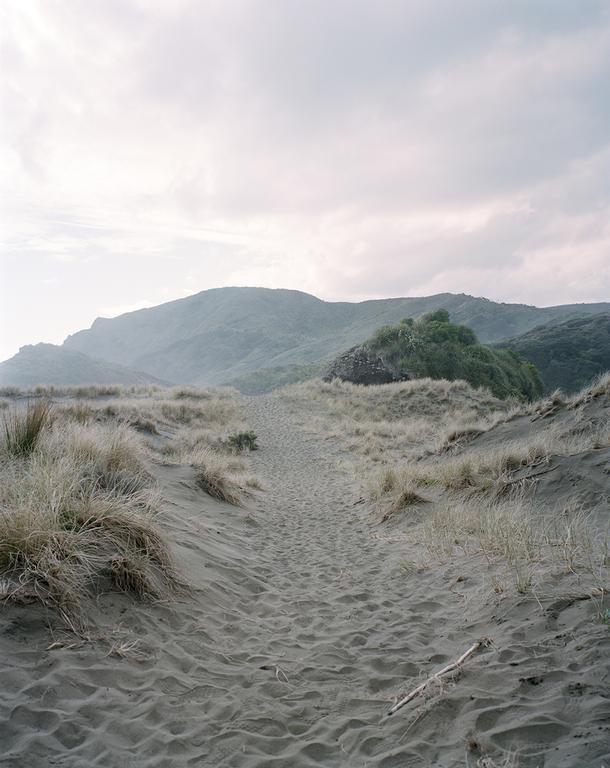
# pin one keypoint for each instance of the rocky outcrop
(361, 366)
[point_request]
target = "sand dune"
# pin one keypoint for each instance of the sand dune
(304, 622)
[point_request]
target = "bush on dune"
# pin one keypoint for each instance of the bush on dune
(243, 441)
(436, 348)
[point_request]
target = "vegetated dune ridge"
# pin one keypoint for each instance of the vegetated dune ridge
(307, 618)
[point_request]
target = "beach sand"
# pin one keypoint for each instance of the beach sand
(304, 622)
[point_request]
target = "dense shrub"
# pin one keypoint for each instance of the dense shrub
(436, 348)
(243, 441)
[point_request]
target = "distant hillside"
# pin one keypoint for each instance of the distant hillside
(57, 366)
(267, 379)
(567, 354)
(225, 333)
(435, 348)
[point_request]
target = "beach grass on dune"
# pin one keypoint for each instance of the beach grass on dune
(78, 504)
(77, 515)
(22, 428)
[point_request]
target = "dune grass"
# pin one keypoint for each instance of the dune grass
(216, 475)
(78, 504)
(389, 423)
(22, 427)
(529, 541)
(218, 472)
(479, 471)
(599, 387)
(77, 510)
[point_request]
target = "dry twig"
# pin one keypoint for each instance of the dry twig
(482, 643)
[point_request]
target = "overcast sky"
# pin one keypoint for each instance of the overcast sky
(151, 149)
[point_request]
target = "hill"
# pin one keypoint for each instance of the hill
(224, 333)
(49, 364)
(567, 354)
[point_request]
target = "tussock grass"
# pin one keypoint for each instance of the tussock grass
(216, 476)
(193, 393)
(455, 436)
(77, 516)
(599, 387)
(527, 539)
(90, 392)
(77, 503)
(23, 427)
(389, 402)
(242, 441)
(492, 471)
(392, 422)
(405, 497)
(148, 409)
(396, 492)
(10, 392)
(489, 470)
(79, 411)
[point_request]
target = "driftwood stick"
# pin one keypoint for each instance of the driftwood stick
(482, 643)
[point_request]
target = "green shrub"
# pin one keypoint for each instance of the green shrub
(243, 441)
(434, 347)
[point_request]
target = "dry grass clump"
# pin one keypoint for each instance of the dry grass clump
(76, 516)
(493, 468)
(405, 497)
(527, 539)
(78, 411)
(216, 475)
(478, 471)
(599, 387)
(23, 427)
(219, 473)
(88, 392)
(389, 402)
(214, 407)
(460, 433)
(393, 422)
(10, 392)
(151, 410)
(193, 393)
(397, 492)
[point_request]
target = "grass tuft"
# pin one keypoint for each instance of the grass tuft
(23, 427)
(214, 477)
(76, 514)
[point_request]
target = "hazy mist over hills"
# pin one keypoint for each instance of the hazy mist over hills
(56, 366)
(218, 335)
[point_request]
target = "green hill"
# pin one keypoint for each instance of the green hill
(567, 354)
(436, 348)
(224, 334)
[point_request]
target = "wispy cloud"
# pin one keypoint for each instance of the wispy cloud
(352, 149)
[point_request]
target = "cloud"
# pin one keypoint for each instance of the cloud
(352, 149)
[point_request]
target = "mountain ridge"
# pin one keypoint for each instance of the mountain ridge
(224, 333)
(52, 365)
(567, 354)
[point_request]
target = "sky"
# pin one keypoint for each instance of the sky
(151, 149)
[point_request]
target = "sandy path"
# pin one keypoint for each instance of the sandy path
(303, 628)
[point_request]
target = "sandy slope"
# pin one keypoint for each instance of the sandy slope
(303, 626)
